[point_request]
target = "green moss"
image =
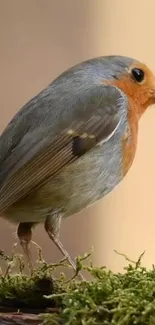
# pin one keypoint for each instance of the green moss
(126, 298)
(27, 291)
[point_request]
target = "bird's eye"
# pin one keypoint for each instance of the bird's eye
(137, 74)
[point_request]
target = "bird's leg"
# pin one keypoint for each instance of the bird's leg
(24, 233)
(52, 226)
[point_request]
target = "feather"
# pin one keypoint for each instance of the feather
(49, 142)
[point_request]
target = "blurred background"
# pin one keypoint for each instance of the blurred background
(38, 40)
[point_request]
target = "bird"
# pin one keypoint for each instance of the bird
(72, 144)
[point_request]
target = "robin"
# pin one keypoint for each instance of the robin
(72, 144)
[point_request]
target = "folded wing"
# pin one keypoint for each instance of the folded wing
(43, 151)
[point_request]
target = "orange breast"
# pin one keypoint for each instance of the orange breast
(129, 145)
(138, 100)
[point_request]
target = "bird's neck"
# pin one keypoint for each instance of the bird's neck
(141, 100)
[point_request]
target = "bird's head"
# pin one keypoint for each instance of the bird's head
(136, 80)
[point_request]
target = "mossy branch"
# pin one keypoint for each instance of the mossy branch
(109, 298)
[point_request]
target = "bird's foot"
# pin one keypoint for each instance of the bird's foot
(61, 248)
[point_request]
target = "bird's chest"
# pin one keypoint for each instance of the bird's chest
(129, 140)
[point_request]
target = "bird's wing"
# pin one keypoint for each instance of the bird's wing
(43, 152)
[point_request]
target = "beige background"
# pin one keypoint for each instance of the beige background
(38, 40)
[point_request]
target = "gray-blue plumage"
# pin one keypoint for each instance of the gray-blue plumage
(34, 142)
